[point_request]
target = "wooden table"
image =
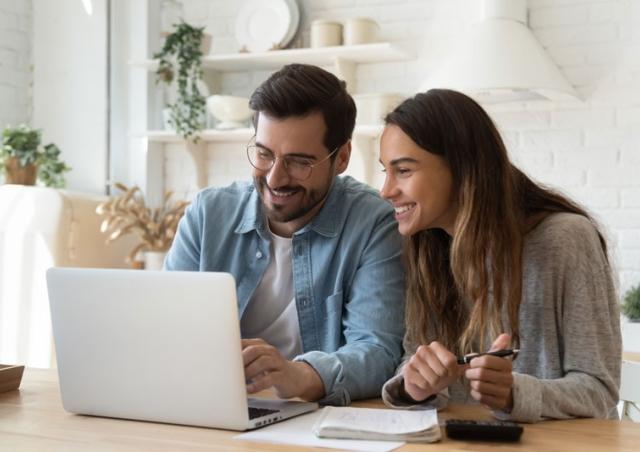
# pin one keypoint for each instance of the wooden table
(631, 356)
(33, 419)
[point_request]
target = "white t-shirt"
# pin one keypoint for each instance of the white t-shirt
(272, 314)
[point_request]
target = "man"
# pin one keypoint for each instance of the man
(316, 257)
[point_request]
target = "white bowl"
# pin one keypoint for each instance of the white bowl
(232, 112)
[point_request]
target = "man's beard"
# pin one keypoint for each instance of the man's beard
(277, 213)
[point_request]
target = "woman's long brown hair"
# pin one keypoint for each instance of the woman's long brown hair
(467, 288)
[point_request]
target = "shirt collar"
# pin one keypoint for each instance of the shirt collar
(328, 217)
(252, 219)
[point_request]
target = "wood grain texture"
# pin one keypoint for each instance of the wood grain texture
(33, 419)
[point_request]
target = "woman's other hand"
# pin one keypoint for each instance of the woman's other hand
(491, 379)
(431, 369)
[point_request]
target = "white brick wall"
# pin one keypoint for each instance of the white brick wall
(16, 38)
(588, 149)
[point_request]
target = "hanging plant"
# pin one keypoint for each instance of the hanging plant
(180, 61)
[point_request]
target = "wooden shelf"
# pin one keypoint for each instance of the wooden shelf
(213, 135)
(241, 135)
(157, 139)
(343, 59)
(323, 56)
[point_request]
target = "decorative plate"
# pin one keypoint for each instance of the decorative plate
(293, 24)
(264, 25)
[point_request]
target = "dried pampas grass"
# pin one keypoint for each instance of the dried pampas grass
(128, 213)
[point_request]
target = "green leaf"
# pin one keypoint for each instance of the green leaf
(23, 143)
(631, 303)
(182, 49)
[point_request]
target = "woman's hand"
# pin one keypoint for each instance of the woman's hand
(491, 379)
(431, 369)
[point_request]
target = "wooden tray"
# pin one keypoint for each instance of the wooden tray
(10, 377)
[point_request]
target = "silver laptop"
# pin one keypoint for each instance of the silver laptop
(155, 346)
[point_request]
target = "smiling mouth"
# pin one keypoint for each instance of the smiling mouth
(283, 194)
(404, 209)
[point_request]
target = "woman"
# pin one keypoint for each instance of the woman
(494, 261)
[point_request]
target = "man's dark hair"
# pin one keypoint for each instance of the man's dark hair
(303, 89)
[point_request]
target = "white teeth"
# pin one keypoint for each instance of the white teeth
(405, 208)
(282, 194)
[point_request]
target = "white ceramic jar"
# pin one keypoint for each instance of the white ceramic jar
(361, 30)
(325, 33)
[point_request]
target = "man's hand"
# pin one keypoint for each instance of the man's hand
(431, 369)
(491, 379)
(265, 367)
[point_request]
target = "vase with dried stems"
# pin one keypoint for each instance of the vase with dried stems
(128, 213)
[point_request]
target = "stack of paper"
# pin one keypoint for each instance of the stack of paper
(378, 424)
(298, 431)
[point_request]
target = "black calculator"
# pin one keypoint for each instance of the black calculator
(483, 430)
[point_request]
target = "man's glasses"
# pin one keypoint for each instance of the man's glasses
(299, 168)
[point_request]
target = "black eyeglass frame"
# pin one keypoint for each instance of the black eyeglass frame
(253, 145)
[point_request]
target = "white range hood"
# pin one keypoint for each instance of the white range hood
(501, 61)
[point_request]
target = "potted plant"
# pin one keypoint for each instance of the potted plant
(180, 61)
(631, 304)
(129, 213)
(24, 160)
(631, 309)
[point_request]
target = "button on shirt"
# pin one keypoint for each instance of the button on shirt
(348, 279)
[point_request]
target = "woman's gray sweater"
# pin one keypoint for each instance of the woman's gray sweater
(570, 346)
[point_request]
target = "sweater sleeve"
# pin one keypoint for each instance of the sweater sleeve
(394, 396)
(589, 344)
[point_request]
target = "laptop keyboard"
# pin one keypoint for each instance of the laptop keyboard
(259, 412)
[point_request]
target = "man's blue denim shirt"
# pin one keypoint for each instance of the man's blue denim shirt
(347, 274)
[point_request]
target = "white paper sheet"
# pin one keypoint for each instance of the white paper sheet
(375, 420)
(298, 431)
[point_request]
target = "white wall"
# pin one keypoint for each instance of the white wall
(53, 76)
(132, 89)
(69, 93)
(16, 37)
(589, 149)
